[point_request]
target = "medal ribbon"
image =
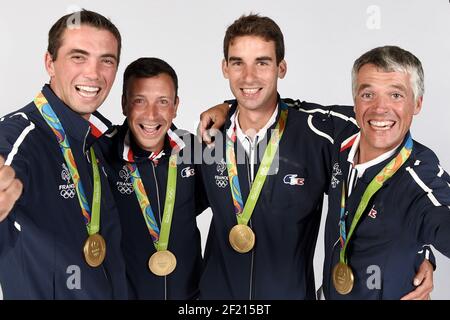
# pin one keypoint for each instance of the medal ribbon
(386, 173)
(244, 213)
(160, 239)
(92, 219)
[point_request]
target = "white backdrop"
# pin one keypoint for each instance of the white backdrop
(322, 37)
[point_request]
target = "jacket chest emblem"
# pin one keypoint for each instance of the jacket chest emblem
(187, 172)
(373, 213)
(67, 189)
(125, 186)
(293, 180)
(221, 178)
(334, 175)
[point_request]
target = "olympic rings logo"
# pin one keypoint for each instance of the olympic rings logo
(125, 188)
(221, 183)
(67, 193)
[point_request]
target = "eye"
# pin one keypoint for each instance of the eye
(262, 63)
(236, 63)
(397, 95)
(78, 58)
(138, 101)
(109, 61)
(367, 95)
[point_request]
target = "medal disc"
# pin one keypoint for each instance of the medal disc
(343, 278)
(162, 263)
(242, 238)
(94, 250)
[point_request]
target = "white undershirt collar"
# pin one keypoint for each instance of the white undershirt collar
(362, 167)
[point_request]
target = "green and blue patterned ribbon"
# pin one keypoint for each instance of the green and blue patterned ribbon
(244, 213)
(92, 219)
(386, 173)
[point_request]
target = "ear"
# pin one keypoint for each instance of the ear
(49, 64)
(282, 69)
(177, 102)
(124, 105)
(418, 105)
(225, 68)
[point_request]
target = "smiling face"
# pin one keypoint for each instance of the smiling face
(384, 108)
(150, 105)
(85, 68)
(253, 72)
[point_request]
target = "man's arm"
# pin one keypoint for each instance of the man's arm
(14, 134)
(211, 121)
(341, 117)
(433, 223)
(10, 189)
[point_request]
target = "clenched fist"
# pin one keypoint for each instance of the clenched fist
(10, 189)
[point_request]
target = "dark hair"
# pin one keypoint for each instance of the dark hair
(255, 25)
(83, 17)
(389, 59)
(148, 68)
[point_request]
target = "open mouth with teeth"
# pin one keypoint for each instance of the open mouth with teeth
(150, 129)
(248, 92)
(87, 91)
(381, 125)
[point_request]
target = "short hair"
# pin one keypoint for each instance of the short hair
(255, 25)
(148, 68)
(85, 17)
(392, 59)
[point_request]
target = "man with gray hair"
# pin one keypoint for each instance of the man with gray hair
(388, 195)
(387, 134)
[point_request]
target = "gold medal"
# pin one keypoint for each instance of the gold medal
(162, 263)
(94, 250)
(242, 238)
(343, 278)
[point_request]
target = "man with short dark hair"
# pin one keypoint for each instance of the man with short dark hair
(266, 197)
(61, 240)
(156, 185)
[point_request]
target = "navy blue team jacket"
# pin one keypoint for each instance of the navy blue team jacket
(285, 220)
(41, 240)
(410, 210)
(184, 240)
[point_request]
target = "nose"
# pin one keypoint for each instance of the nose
(91, 70)
(151, 111)
(381, 104)
(249, 74)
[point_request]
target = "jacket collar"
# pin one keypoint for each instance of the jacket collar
(371, 168)
(230, 123)
(74, 125)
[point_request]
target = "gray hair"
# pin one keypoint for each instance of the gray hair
(392, 59)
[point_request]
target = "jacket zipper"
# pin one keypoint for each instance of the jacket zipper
(159, 214)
